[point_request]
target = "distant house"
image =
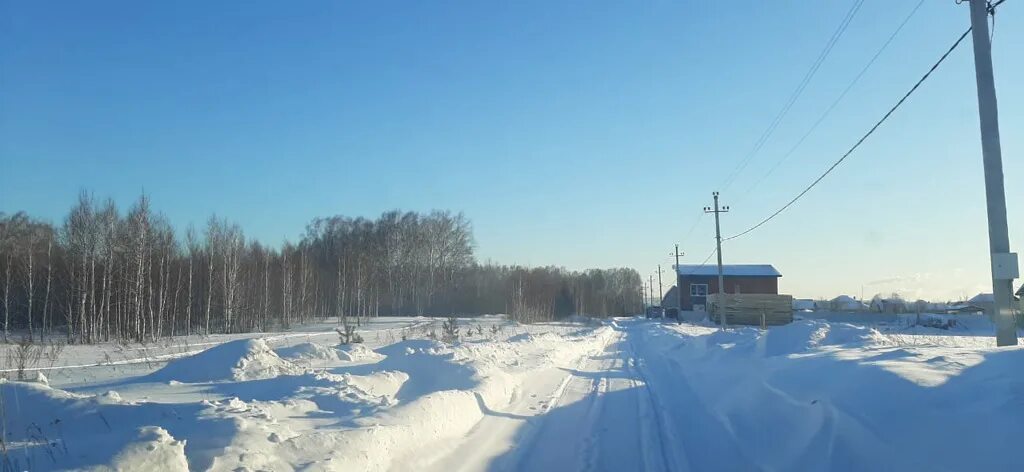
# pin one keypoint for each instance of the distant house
(804, 304)
(985, 301)
(888, 305)
(671, 299)
(847, 303)
(962, 308)
(698, 281)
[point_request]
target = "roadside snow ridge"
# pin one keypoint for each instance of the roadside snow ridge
(244, 359)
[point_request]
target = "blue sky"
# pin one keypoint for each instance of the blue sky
(578, 134)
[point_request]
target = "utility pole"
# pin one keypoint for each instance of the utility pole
(650, 279)
(642, 306)
(1004, 262)
(661, 291)
(718, 244)
(679, 290)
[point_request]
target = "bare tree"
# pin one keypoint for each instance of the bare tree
(110, 276)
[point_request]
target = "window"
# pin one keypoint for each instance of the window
(698, 290)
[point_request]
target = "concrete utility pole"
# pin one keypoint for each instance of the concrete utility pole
(1004, 262)
(679, 290)
(718, 241)
(642, 306)
(661, 291)
(650, 279)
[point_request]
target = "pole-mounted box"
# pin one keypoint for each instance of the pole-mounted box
(1004, 266)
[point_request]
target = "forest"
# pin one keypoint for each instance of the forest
(102, 274)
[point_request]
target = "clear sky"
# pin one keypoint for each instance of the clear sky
(578, 134)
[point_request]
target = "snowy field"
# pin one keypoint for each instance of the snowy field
(625, 394)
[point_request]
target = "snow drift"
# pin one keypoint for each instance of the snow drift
(832, 396)
(244, 359)
(308, 351)
(357, 353)
(797, 337)
(50, 428)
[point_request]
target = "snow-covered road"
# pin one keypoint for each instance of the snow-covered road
(591, 413)
(628, 394)
(609, 418)
(809, 396)
(625, 407)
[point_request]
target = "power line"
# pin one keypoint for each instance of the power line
(693, 227)
(836, 102)
(795, 95)
(702, 264)
(992, 12)
(859, 141)
(992, 6)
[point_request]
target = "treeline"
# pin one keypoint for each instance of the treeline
(106, 275)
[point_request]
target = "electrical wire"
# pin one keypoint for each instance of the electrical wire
(795, 95)
(693, 227)
(834, 103)
(702, 264)
(992, 12)
(859, 141)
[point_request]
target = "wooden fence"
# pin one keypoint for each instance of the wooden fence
(751, 309)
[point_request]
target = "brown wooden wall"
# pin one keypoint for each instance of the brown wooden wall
(758, 285)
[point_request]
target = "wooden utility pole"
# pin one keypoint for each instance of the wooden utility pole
(718, 244)
(1004, 262)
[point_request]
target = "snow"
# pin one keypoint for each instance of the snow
(154, 449)
(308, 351)
(624, 394)
(730, 270)
(357, 353)
(982, 298)
(804, 304)
(848, 303)
(244, 359)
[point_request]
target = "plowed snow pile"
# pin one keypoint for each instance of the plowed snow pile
(794, 338)
(802, 336)
(313, 351)
(357, 353)
(308, 351)
(244, 359)
(833, 396)
(241, 405)
(51, 429)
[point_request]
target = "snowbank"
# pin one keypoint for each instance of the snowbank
(51, 429)
(357, 353)
(308, 351)
(802, 336)
(154, 449)
(449, 391)
(797, 337)
(247, 407)
(821, 396)
(244, 359)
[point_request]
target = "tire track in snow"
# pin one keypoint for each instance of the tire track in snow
(705, 439)
(664, 441)
(527, 452)
(590, 442)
